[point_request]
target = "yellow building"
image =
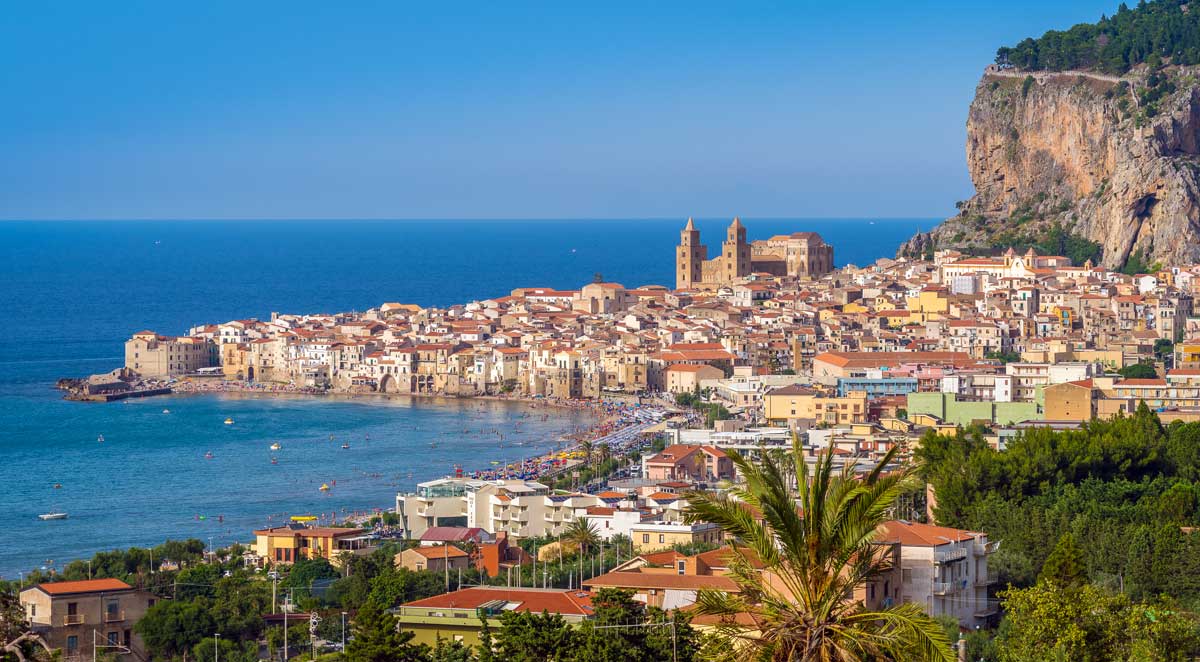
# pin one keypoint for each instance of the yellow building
(798, 403)
(653, 536)
(456, 616)
(292, 542)
(1187, 354)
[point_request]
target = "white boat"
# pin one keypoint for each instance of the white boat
(275, 446)
(50, 516)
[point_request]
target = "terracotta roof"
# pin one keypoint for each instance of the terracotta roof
(916, 534)
(625, 579)
(577, 603)
(440, 552)
(84, 586)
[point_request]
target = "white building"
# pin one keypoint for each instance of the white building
(944, 570)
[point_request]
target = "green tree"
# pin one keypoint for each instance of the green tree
(451, 651)
(582, 534)
(1138, 371)
(528, 637)
(171, 628)
(1065, 565)
(817, 560)
(377, 638)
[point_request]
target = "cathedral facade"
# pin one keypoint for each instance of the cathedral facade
(796, 255)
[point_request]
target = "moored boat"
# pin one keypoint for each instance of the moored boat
(50, 516)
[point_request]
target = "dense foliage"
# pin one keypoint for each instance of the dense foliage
(1105, 515)
(814, 562)
(1146, 34)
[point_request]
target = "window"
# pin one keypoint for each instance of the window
(72, 608)
(645, 537)
(114, 638)
(72, 644)
(32, 611)
(662, 537)
(682, 567)
(128, 638)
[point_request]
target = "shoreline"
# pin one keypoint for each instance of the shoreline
(280, 390)
(604, 424)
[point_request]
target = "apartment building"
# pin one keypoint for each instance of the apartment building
(945, 570)
(159, 357)
(79, 617)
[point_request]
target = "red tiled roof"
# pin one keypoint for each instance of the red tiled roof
(84, 586)
(576, 603)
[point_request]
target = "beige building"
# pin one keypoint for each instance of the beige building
(151, 355)
(436, 557)
(782, 406)
(72, 616)
(685, 378)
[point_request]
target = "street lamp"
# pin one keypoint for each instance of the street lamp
(343, 634)
(216, 646)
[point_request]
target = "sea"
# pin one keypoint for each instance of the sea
(169, 467)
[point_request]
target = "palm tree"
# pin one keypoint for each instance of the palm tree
(814, 550)
(603, 452)
(587, 446)
(582, 533)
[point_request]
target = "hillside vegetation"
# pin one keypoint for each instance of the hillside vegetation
(1148, 33)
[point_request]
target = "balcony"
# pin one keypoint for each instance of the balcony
(987, 548)
(953, 554)
(114, 616)
(992, 577)
(73, 619)
(942, 588)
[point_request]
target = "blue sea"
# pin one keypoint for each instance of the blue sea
(73, 291)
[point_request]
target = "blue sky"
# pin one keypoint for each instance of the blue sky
(495, 110)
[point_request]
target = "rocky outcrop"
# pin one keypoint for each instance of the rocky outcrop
(1114, 160)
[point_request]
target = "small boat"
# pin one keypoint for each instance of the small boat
(166, 411)
(274, 460)
(100, 439)
(276, 446)
(58, 486)
(229, 421)
(303, 518)
(209, 455)
(345, 446)
(324, 487)
(50, 516)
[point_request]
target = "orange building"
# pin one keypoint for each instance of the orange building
(292, 542)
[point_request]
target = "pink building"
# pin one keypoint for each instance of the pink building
(689, 462)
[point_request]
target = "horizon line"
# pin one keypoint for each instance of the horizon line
(403, 219)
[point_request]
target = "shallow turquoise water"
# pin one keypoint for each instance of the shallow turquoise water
(150, 480)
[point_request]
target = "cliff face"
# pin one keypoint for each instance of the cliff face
(1113, 160)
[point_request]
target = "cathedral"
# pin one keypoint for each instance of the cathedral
(798, 255)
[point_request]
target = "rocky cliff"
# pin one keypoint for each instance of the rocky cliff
(1113, 160)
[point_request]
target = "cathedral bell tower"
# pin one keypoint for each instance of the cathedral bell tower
(689, 258)
(735, 252)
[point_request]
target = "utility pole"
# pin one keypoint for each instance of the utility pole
(446, 563)
(343, 635)
(216, 646)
